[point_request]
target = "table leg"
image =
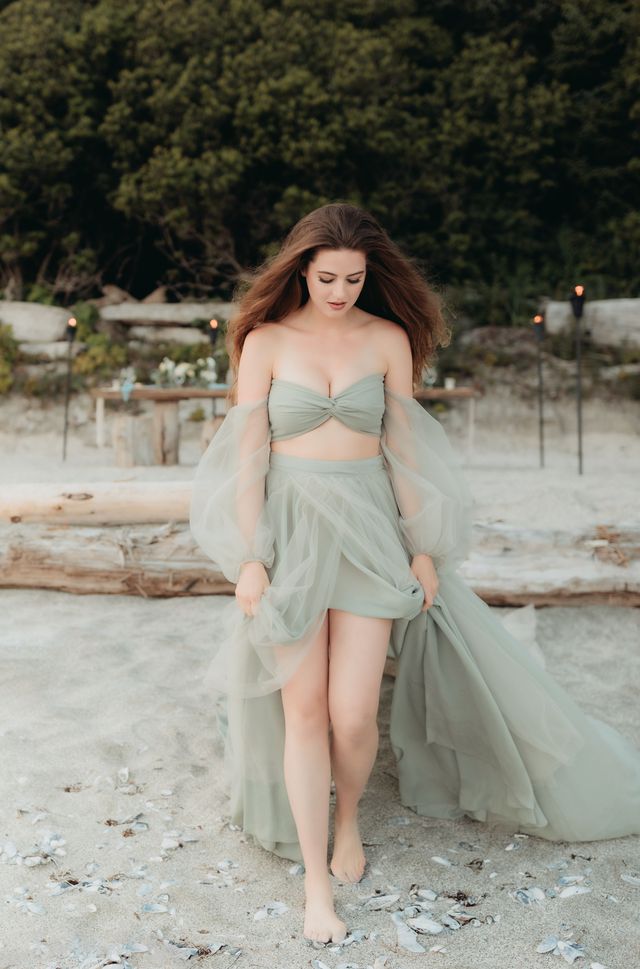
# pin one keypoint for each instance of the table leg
(99, 421)
(471, 428)
(166, 432)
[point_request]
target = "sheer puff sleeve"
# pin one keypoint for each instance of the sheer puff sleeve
(228, 515)
(433, 497)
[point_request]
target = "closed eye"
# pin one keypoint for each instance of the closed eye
(353, 282)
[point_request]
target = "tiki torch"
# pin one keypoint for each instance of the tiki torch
(213, 336)
(577, 305)
(71, 335)
(538, 329)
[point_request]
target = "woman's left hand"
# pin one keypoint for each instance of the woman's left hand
(425, 572)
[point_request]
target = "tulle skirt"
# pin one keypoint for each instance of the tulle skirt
(478, 727)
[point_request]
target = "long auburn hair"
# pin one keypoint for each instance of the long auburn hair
(394, 287)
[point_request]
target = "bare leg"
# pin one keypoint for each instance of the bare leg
(358, 650)
(307, 775)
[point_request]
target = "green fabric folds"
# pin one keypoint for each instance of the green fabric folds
(478, 727)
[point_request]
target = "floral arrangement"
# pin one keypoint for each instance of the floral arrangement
(202, 373)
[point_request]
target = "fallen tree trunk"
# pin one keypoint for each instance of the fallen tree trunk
(133, 537)
(98, 503)
(148, 560)
(143, 502)
(507, 567)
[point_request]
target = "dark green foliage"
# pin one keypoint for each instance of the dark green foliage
(9, 350)
(146, 143)
(102, 356)
(48, 385)
(87, 317)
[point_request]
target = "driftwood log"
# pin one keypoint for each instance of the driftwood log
(98, 503)
(146, 560)
(134, 537)
(163, 560)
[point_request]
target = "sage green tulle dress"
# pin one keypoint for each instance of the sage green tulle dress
(478, 727)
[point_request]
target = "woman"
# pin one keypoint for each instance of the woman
(337, 506)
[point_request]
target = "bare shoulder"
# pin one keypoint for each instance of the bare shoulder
(266, 337)
(391, 339)
(262, 335)
(395, 347)
(392, 336)
(256, 362)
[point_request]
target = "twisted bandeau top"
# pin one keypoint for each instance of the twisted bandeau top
(295, 409)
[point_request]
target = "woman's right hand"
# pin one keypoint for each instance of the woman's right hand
(251, 586)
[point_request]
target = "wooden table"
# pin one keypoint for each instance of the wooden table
(166, 427)
(466, 392)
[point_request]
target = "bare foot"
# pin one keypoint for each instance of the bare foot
(321, 924)
(348, 861)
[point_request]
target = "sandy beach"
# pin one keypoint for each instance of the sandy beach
(116, 849)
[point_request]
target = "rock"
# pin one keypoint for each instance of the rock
(158, 295)
(112, 296)
(174, 334)
(186, 312)
(35, 322)
(37, 370)
(79, 415)
(622, 372)
(53, 351)
(612, 322)
(519, 339)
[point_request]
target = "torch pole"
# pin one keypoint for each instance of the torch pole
(71, 332)
(577, 304)
(579, 389)
(540, 400)
(213, 336)
(538, 328)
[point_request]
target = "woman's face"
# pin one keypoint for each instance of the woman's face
(335, 278)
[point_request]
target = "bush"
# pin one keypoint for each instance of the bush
(50, 385)
(40, 293)
(102, 358)
(9, 351)
(87, 317)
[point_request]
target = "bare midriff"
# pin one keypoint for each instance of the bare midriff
(331, 441)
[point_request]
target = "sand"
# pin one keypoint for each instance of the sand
(105, 723)
(115, 846)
